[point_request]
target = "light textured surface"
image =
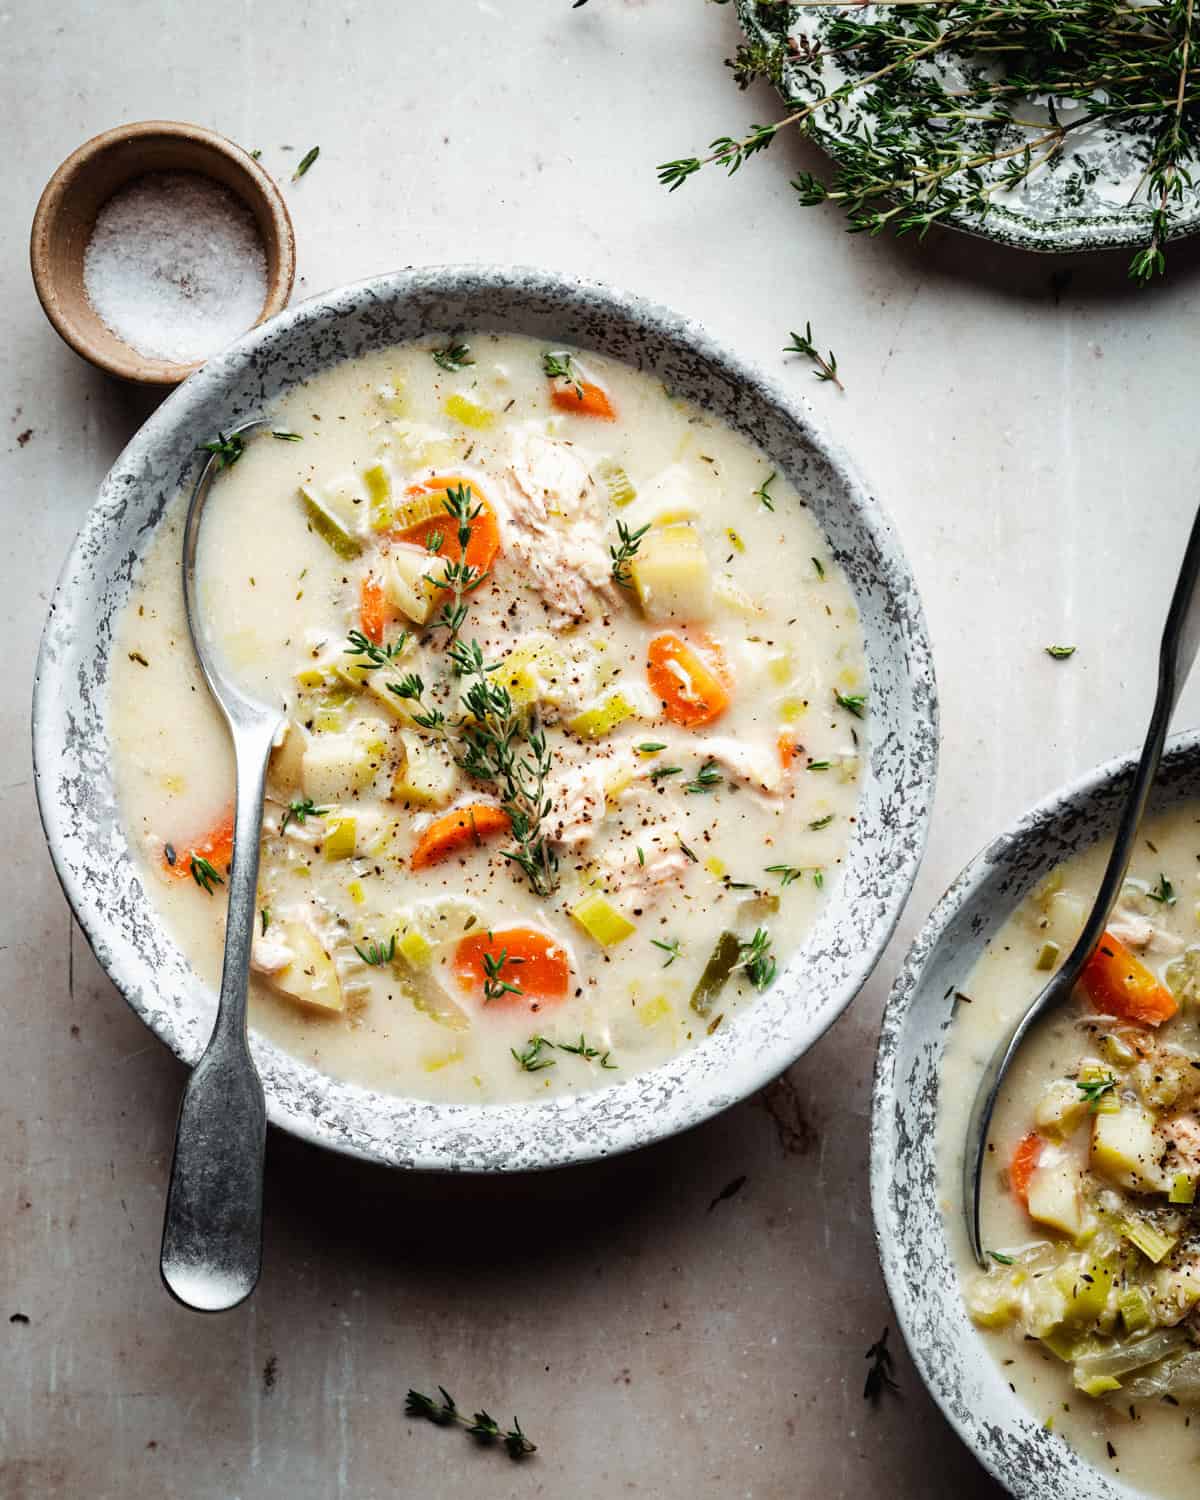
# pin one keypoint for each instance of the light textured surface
(1037, 457)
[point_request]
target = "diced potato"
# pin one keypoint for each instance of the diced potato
(380, 684)
(993, 1301)
(408, 585)
(671, 575)
(1064, 917)
(603, 717)
(665, 500)
(333, 766)
(286, 766)
(425, 773)
(1061, 1107)
(1126, 1149)
(311, 976)
(1054, 1198)
(601, 920)
(340, 838)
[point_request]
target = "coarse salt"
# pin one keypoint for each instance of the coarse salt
(175, 266)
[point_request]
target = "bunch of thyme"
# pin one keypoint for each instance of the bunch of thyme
(929, 142)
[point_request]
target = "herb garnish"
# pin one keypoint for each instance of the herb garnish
(480, 1426)
(588, 1053)
(660, 772)
(265, 917)
(671, 949)
(1163, 892)
(531, 1060)
(691, 853)
(378, 656)
(286, 437)
(820, 567)
(623, 554)
(494, 985)
(1060, 653)
(460, 577)
(826, 365)
(650, 747)
(818, 765)
(453, 356)
(376, 954)
(853, 703)
(880, 1376)
(819, 823)
(756, 958)
(562, 367)
(790, 873)
(761, 493)
(707, 778)
(1004, 1260)
(297, 812)
(1094, 1090)
(226, 450)
(205, 874)
(306, 161)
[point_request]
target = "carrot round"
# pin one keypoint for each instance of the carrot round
(1024, 1164)
(373, 609)
(1118, 984)
(485, 529)
(521, 956)
(583, 397)
(789, 748)
(460, 829)
(693, 689)
(216, 847)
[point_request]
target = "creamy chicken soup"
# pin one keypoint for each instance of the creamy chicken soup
(1091, 1299)
(576, 705)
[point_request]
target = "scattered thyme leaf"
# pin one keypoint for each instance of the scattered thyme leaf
(306, 161)
(1004, 1260)
(826, 364)
(762, 492)
(226, 450)
(377, 954)
(671, 949)
(1060, 653)
(707, 779)
(818, 823)
(531, 1059)
(1163, 892)
(561, 366)
(853, 703)
(624, 553)
(286, 437)
(297, 812)
(453, 356)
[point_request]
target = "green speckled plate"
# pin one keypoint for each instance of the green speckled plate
(1088, 199)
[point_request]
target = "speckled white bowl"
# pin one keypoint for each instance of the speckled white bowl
(909, 1227)
(73, 757)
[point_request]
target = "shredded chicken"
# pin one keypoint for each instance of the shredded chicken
(1138, 931)
(1182, 1135)
(555, 526)
(577, 803)
(641, 879)
(268, 955)
(755, 764)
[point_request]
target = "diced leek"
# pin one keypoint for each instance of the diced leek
(329, 527)
(1086, 1285)
(1098, 1385)
(671, 574)
(392, 398)
(1151, 1241)
(341, 835)
(356, 892)
(594, 723)
(1134, 1306)
(715, 867)
(616, 784)
(782, 667)
(721, 964)
(654, 1011)
(735, 541)
(792, 709)
(601, 920)
(1183, 976)
(993, 1301)
(1183, 1188)
(469, 412)
(1117, 1051)
(1048, 956)
(532, 670)
(434, 1062)
(415, 947)
(617, 481)
(378, 482)
(422, 507)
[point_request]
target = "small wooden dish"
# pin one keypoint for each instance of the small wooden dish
(66, 215)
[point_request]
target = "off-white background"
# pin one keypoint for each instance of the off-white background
(1037, 450)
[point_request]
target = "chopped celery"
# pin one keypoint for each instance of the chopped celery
(469, 412)
(1086, 1285)
(1134, 1307)
(617, 481)
(1064, 1344)
(654, 1011)
(1151, 1241)
(341, 834)
(715, 867)
(378, 484)
(594, 723)
(356, 892)
(721, 963)
(1098, 1385)
(1048, 956)
(328, 527)
(735, 540)
(601, 920)
(1183, 1188)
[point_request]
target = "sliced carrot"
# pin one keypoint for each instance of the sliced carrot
(1024, 1163)
(216, 847)
(373, 609)
(532, 961)
(1118, 984)
(789, 748)
(460, 829)
(485, 529)
(693, 689)
(583, 397)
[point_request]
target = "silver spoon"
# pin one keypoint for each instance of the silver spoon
(212, 1234)
(1180, 641)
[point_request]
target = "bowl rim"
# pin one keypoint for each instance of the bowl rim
(1010, 1466)
(144, 369)
(467, 1137)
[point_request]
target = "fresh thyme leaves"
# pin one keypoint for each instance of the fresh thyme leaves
(818, 765)
(818, 823)
(761, 493)
(756, 958)
(1002, 1260)
(707, 779)
(853, 703)
(460, 577)
(641, 855)
(377, 954)
(562, 367)
(306, 161)
(623, 554)
(790, 873)
(689, 853)
(881, 1376)
(659, 773)
(226, 450)
(444, 1412)
(494, 984)
(820, 567)
(671, 949)
(1094, 1090)
(265, 918)
(1060, 653)
(285, 436)
(826, 364)
(531, 1060)
(1163, 892)
(434, 542)
(453, 356)
(650, 747)
(918, 143)
(297, 812)
(378, 656)
(587, 1052)
(509, 748)
(205, 874)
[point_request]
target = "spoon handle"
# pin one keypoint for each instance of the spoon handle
(212, 1234)
(1177, 652)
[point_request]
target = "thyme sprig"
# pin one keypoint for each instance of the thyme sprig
(205, 875)
(453, 356)
(757, 960)
(1093, 1090)
(377, 953)
(933, 143)
(495, 986)
(531, 1059)
(226, 450)
(460, 577)
(486, 1429)
(826, 364)
(298, 812)
(378, 656)
(623, 554)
